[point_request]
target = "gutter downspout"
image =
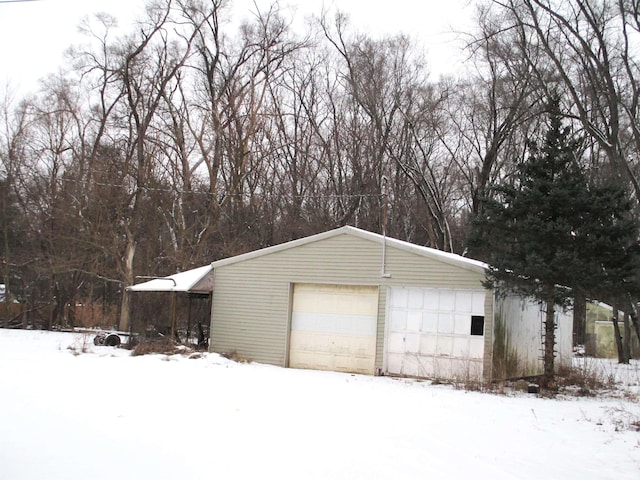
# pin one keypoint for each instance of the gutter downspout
(384, 273)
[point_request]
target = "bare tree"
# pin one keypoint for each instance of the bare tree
(588, 43)
(387, 81)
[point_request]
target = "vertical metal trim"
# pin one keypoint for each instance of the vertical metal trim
(287, 346)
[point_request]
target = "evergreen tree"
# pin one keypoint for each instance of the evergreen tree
(552, 231)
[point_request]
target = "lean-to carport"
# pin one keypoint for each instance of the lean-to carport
(194, 285)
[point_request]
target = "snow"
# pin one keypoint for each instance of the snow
(179, 282)
(65, 414)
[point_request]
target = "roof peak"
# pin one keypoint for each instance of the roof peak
(446, 257)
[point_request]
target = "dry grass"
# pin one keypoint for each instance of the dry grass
(81, 344)
(235, 357)
(581, 382)
(159, 346)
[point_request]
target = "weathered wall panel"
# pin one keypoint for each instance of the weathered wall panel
(518, 338)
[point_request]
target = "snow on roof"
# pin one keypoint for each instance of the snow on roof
(450, 258)
(179, 282)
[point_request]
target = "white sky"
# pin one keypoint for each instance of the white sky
(34, 35)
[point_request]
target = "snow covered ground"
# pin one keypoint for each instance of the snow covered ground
(103, 414)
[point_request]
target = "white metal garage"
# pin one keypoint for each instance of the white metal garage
(435, 333)
(333, 327)
(428, 315)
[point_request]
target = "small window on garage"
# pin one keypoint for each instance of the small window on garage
(477, 325)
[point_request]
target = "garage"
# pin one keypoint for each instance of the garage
(349, 300)
(333, 327)
(435, 333)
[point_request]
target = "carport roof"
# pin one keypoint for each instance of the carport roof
(179, 282)
(445, 257)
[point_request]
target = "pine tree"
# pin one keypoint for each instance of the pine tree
(552, 231)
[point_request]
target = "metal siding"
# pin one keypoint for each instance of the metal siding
(522, 323)
(251, 299)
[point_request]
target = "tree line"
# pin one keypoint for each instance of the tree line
(185, 141)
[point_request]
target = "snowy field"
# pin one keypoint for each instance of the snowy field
(106, 415)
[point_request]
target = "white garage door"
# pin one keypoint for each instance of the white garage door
(333, 327)
(435, 333)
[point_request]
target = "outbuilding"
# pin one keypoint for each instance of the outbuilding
(354, 301)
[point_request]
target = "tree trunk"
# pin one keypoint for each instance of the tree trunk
(125, 313)
(626, 339)
(174, 318)
(618, 337)
(579, 319)
(549, 344)
(636, 326)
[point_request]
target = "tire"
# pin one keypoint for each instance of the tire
(112, 340)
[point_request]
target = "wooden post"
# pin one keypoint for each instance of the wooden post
(173, 316)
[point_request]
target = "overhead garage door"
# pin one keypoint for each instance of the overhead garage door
(333, 327)
(435, 333)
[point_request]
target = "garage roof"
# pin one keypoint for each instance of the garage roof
(449, 258)
(179, 282)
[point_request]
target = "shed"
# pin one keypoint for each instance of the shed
(354, 301)
(601, 336)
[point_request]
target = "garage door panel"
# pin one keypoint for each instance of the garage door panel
(444, 346)
(334, 327)
(353, 345)
(478, 303)
(399, 298)
(460, 347)
(429, 322)
(311, 342)
(313, 360)
(398, 319)
(445, 323)
(447, 301)
(431, 299)
(462, 325)
(332, 323)
(412, 365)
(476, 347)
(412, 342)
(395, 343)
(428, 343)
(394, 362)
(348, 363)
(416, 297)
(433, 337)
(414, 320)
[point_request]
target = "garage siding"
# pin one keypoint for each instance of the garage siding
(252, 298)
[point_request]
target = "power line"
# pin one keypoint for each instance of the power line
(18, 1)
(202, 192)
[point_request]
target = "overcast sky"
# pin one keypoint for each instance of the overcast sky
(34, 34)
